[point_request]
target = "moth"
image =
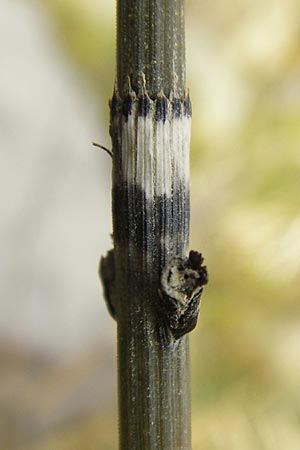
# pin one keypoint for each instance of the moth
(182, 282)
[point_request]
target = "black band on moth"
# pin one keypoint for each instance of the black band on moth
(182, 324)
(182, 282)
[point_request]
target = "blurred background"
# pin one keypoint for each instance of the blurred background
(57, 342)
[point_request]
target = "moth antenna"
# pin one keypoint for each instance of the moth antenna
(109, 152)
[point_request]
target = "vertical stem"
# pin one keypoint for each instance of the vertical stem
(151, 40)
(150, 123)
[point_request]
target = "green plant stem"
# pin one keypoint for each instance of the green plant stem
(153, 368)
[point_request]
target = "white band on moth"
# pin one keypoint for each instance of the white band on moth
(155, 153)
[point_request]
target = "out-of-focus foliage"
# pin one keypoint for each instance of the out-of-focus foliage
(86, 30)
(244, 75)
(245, 187)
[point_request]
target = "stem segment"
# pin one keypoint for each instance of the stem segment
(151, 40)
(150, 126)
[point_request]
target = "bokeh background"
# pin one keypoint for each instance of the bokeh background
(57, 342)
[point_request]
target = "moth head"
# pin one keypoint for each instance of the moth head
(184, 278)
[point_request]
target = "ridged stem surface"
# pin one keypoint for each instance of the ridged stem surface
(150, 126)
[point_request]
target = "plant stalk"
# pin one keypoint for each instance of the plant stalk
(150, 126)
